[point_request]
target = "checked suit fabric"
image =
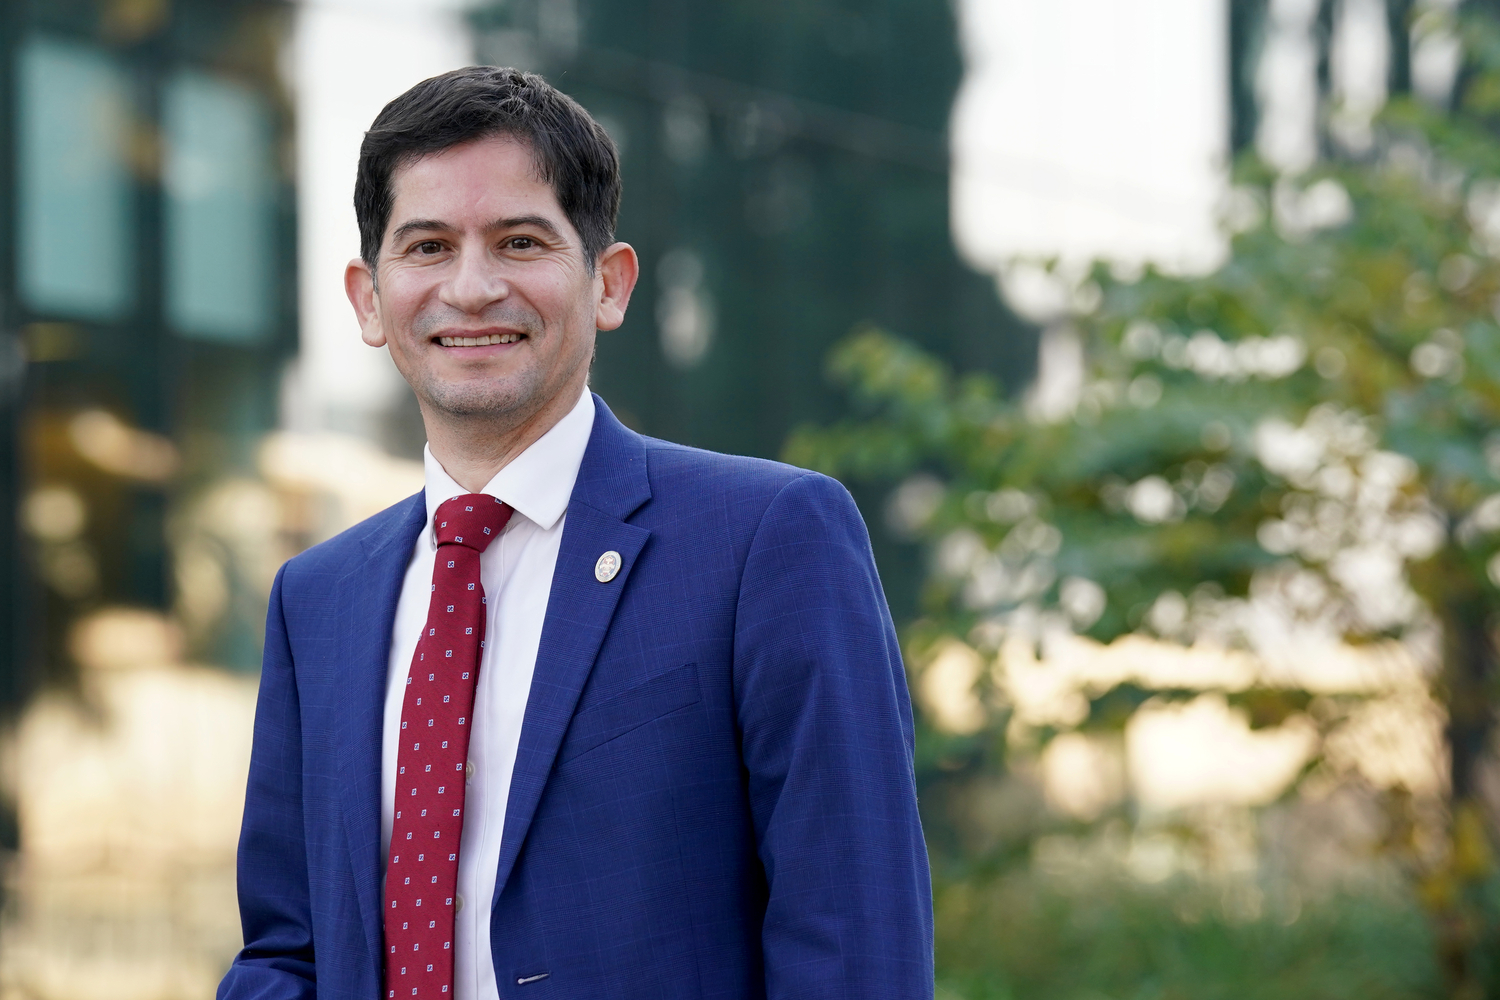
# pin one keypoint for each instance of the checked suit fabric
(436, 719)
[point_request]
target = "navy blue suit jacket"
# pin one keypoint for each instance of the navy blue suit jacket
(714, 793)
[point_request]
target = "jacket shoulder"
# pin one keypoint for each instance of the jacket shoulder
(736, 489)
(677, 465)
(356, 545)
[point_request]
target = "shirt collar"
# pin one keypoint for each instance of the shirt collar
(538, 482)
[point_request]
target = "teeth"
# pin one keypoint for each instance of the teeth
(494, 338)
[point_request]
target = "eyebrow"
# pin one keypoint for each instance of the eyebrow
(437, 225)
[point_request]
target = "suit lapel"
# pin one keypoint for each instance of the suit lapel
(611, 485)
(366, 601)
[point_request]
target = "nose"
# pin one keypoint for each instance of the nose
(475, 283)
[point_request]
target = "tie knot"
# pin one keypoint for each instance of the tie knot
(472, 520)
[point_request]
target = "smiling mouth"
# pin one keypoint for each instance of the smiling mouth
(494, 338)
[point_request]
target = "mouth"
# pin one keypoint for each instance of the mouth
(483, 341)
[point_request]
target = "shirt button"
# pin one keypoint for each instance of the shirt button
(458, 903)
(468, 770)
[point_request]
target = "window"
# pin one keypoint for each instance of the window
(219, 193)
(74, 226)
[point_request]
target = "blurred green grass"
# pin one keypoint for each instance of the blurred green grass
(1022, 935)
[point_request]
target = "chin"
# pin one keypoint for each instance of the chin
(480, 404)
(514, 397)
(486, 399)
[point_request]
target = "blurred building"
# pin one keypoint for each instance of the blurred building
(147, 305)
(147, 283)
(786, 175)
(786, 179)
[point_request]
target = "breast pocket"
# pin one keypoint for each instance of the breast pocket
(631, 709)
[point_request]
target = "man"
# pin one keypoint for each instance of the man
(595, 715)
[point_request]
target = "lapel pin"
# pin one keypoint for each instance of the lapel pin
(607, 566)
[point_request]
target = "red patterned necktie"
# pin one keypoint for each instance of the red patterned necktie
(422, 873)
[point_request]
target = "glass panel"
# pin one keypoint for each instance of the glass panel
(73, 237)
(220, 251)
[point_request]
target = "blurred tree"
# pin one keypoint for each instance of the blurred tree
(1304, 443)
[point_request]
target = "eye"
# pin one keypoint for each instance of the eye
(429, 247)
(521, 243)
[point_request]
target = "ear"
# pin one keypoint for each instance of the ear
(359, 285)
(617, 268)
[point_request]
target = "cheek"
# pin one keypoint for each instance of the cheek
(583, 306)
(404, 296)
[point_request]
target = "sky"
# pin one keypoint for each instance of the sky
(1090, 128)
(1094, 129)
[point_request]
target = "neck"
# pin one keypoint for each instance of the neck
(472, 448)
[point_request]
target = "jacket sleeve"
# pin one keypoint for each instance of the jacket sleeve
(275, 911)
(828, 746)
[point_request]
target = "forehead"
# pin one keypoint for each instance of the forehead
(487, 179)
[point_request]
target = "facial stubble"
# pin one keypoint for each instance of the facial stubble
(507, 398)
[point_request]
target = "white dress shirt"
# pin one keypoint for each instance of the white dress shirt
(516, 571)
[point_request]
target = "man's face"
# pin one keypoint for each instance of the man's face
(482, 291)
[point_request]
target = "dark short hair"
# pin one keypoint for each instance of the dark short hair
(573, 153)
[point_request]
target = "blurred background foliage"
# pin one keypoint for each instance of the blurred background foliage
(1291, 464)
